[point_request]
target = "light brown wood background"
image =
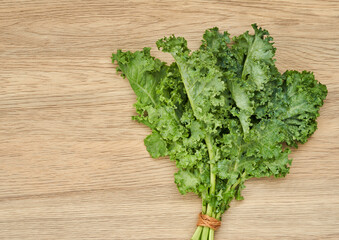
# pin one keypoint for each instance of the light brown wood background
(72, 162)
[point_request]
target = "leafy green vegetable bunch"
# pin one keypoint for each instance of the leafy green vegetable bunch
(221, 112)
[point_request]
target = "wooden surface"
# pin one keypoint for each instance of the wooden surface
(72, 162)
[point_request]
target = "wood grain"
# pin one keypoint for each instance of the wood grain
(72, 162)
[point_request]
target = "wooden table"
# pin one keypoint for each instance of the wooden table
(72, 162)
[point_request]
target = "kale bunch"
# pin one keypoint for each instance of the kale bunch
(222, 112)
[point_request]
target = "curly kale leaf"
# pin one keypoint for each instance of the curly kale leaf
(144, 73)
(296, 103)
(162, 104)
(151, 81)
(256, 53)
(201, 78)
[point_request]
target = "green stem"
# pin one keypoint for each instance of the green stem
(207, 232)
(242, 177)
(203, 208)
(211, 236)
(208, 141)
(197, 233)
(218, 216)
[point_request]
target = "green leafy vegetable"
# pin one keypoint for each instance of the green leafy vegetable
(221, 112)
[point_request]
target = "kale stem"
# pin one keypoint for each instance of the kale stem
(208, 141)
(211, 235)
(206, 231)
(197, 233)
(203, 207)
